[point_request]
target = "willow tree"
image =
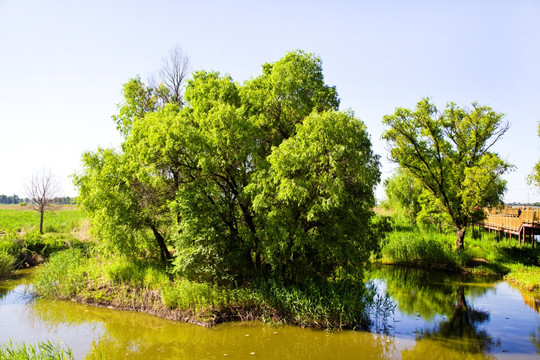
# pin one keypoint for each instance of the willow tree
(403, 195)
(242, 179)
(449, 154)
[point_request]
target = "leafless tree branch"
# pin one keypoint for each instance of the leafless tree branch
(172, 76)
(42, 189)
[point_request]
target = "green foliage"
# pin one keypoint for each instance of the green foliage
(316, 302)
(403, 196)
(40, 351)
(64, 275)
(200, 297)
(449, 155)
(243, 180)
(138, 100)
(316, 193)
(114, 200)
(13, 199)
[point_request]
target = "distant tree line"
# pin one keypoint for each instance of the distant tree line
(14, 199)
(523, 204)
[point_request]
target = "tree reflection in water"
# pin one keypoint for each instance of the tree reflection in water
(461, 331)
(432, 294)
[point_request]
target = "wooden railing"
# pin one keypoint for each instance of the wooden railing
(511, 219)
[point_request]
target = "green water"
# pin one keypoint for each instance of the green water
(436, 317)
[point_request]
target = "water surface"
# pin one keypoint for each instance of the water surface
(437, 317)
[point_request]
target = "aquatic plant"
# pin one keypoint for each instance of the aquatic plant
(40, 351)
(417, 248)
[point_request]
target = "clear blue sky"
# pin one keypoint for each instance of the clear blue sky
(63, 63)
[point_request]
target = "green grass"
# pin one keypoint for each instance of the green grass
(22, 245)
(419, 249)
(330, 304)
(25, 219)
(40, 351)
(484, 254)
(526, 277)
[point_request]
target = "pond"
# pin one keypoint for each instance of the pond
(437, 316)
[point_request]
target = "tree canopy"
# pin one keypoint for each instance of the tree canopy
(449, 155)
(239, 180)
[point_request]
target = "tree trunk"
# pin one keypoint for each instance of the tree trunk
(165, 254)
(41, 220)
(460, 238)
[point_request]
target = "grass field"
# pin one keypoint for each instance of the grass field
(60, 218)
(21, 244)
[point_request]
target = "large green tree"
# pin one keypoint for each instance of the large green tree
(240, 179)
(450, 155)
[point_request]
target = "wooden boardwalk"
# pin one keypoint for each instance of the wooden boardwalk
(514, 221)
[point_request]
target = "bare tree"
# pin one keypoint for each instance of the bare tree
(172, 76)
(42, 189)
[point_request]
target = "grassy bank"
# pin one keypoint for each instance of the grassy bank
(484, 254)
(21, 244)
(141, 286)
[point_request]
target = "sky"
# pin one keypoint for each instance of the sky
(63, 63)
